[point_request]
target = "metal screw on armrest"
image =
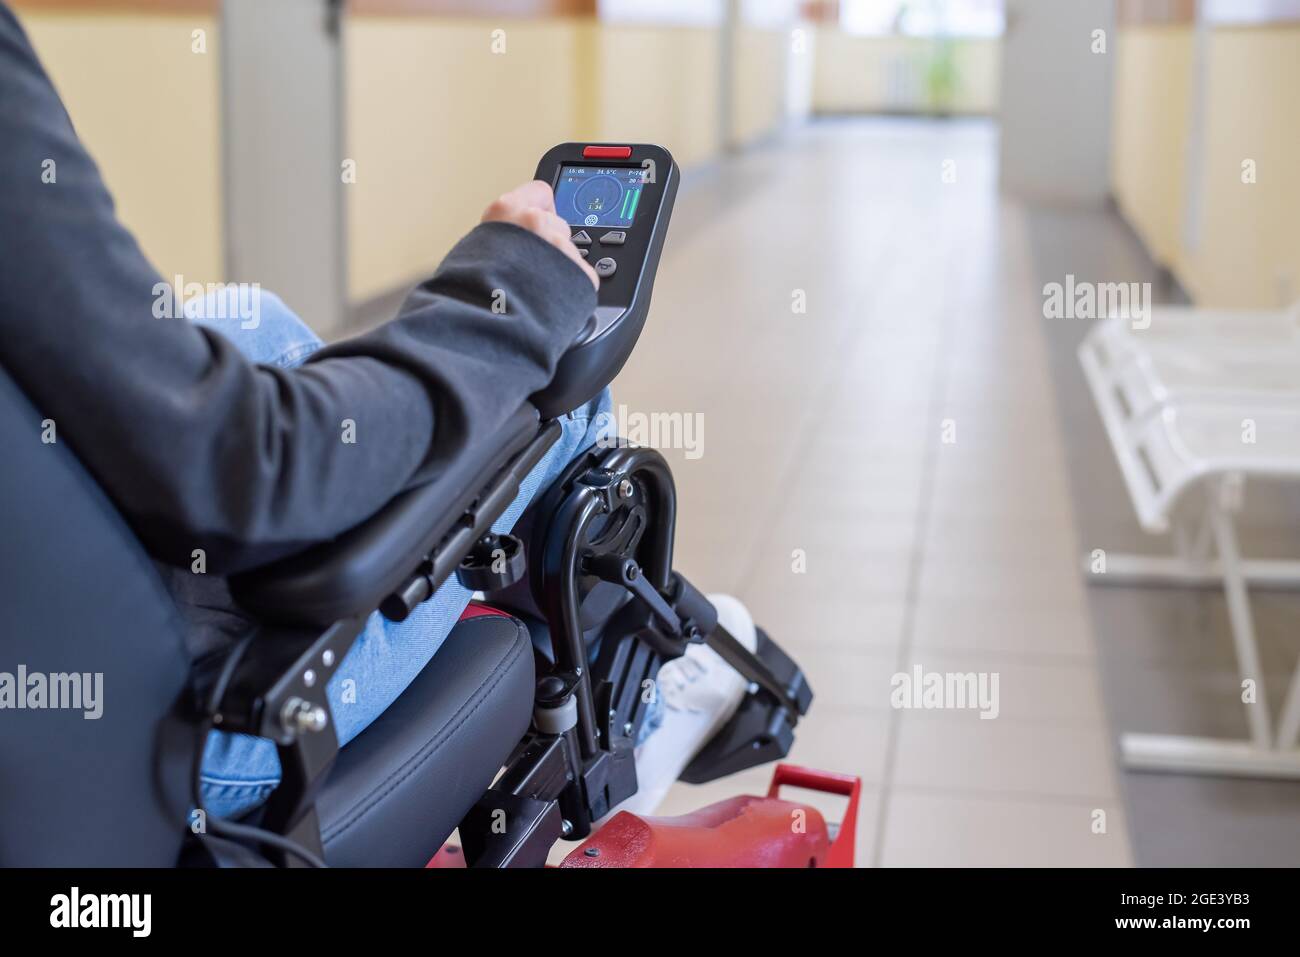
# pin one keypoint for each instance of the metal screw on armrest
(625, 489)
(298, 716)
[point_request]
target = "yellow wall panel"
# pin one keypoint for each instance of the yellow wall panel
(758, 84)
(439, 125)
(1151, 111)
(436, 121)
(1246, 253)
(148, 109)
(679, 108)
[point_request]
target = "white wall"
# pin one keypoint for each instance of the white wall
(282, 154)
(1056, 100)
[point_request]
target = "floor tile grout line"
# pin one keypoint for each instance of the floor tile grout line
(938, 396)
(1048, 658)
(1052, 723)
(1010, 796)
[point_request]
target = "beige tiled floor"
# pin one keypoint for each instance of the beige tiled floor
(823, 437)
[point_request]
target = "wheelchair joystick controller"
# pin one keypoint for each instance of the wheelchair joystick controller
(617, 200)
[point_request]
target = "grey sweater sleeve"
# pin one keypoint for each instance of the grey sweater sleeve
(195, 445)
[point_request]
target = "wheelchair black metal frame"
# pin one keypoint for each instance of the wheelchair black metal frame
(610, 519)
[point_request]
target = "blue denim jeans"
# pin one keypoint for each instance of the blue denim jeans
(240, 771)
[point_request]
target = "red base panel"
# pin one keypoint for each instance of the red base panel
(738, 832)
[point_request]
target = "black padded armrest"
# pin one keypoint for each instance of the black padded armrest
(355, 572)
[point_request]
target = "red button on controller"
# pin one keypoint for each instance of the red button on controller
(606, 152)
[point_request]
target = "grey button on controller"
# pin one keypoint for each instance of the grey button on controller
(615, 237)
(581, 238)
(605, 267)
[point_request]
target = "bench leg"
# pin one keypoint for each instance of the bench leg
(1288, 728)
(1262, 755)
(1242, 625)
(1184, 754)
(1126, 569)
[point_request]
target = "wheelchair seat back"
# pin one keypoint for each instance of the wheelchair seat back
(92, 665)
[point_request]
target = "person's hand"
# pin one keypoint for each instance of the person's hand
(532, 206)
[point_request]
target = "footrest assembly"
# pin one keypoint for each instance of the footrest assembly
(762, 729)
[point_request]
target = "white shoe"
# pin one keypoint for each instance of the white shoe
(700, 692)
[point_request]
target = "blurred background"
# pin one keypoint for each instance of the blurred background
(899, 462)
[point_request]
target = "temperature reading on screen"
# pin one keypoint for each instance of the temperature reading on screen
(599, 196)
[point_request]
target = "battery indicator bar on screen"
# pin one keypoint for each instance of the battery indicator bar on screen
(630, 202)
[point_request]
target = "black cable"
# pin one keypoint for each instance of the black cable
(230, 829)
(220, 826)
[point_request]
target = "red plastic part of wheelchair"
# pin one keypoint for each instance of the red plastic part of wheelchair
(739, 832)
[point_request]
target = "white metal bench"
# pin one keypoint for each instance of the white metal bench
(1229, 358)
(1194, 406)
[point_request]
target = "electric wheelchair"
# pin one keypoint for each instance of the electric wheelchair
(515, 749)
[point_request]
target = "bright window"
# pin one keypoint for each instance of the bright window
(923, 18)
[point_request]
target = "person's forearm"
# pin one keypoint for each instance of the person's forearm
(483, 333)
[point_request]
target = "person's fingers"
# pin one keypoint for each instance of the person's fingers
(559, 228)
(534, 194)
(531, 206)
(538, 193)
(547, 225)
(498, 209)
(533, 219)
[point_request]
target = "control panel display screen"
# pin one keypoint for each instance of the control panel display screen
(599, 196)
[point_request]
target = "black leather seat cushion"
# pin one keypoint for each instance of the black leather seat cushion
(400, 787)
